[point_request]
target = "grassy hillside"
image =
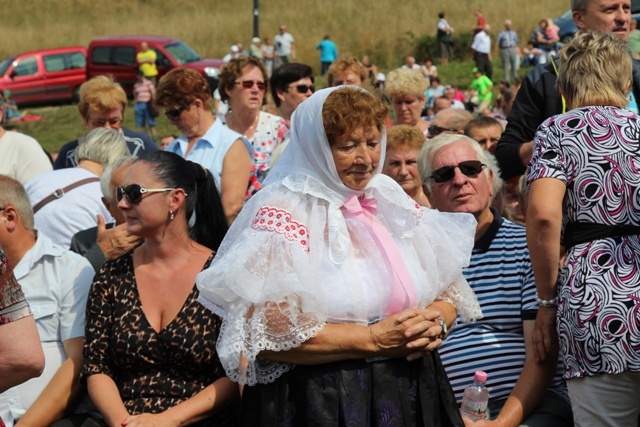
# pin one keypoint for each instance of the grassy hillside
(384, 29)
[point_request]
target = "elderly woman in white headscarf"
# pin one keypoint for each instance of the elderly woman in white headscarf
(335, 287)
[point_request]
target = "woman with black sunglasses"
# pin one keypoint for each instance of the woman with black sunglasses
(243, 84)
(150, 346)
(186, 98)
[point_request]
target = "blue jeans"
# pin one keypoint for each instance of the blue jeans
(143, 118)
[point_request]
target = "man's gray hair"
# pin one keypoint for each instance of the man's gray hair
(102, 146)
(432, 146)
(13, 193)
(105, 179)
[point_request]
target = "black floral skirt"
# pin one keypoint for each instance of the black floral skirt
(356, 393)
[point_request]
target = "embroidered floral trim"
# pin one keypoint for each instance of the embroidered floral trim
(279, 221)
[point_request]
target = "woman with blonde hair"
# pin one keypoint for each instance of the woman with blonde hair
(401, 161)
(584, 188)
(406, 89)
(347, 70)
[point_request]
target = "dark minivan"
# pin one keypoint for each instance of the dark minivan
(116, 55)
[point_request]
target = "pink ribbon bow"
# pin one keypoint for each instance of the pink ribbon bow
(403, 293)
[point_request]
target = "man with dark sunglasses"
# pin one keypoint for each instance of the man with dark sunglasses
(290, 85)
(459, 176)
(538, 98)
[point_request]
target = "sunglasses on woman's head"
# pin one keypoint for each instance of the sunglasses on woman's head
(134, 192)
(437, 130)
(248, 84)
(468, 168)
(305, 88)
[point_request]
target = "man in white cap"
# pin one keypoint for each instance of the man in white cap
(255, 50)
(233, 53)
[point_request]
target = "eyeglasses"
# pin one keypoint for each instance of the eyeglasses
(175, 113)
(437, 130)
(248, 84)
(114, 123)
(468, 168)
(305, 88)
(134, 192)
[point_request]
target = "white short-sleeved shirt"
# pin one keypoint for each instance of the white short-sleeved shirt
(283, 43)
(56, 284)
(481, 43)
(75, 211)
(22, 157)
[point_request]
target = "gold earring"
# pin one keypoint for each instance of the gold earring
(170, 215)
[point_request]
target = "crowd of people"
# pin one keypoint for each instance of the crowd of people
(345, 256)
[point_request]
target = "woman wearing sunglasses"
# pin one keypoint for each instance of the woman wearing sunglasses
(150, 346)
(186, 98)
(335, 286)
(243, 83)
(406, 90)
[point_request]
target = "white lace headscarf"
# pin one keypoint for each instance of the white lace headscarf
(307, 166)
(309, 153)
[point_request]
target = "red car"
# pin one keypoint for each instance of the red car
(44, 76)
(116, 55)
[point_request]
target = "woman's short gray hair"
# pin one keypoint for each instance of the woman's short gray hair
(105, 179)
(432, 146)
(102, 146)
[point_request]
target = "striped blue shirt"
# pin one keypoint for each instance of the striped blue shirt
(501, 275)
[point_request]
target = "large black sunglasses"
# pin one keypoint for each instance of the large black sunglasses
(134, 192)
(305, 88)
(437, 130)
(175, 113)
(446, 173)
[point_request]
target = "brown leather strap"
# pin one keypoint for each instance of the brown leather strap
(62, 191)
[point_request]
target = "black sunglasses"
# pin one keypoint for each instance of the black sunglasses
(305, 88)
(248, 84)
(134, 192)
(468, 168)
(175, 113)
(437, 130)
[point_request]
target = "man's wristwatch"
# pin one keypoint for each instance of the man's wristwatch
(443, 325)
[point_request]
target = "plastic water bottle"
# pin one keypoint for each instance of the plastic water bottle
(475, 398)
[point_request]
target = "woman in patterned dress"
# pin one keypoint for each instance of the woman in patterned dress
(149, 352)
(585, 187)
(335, 286)
(243, 84)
